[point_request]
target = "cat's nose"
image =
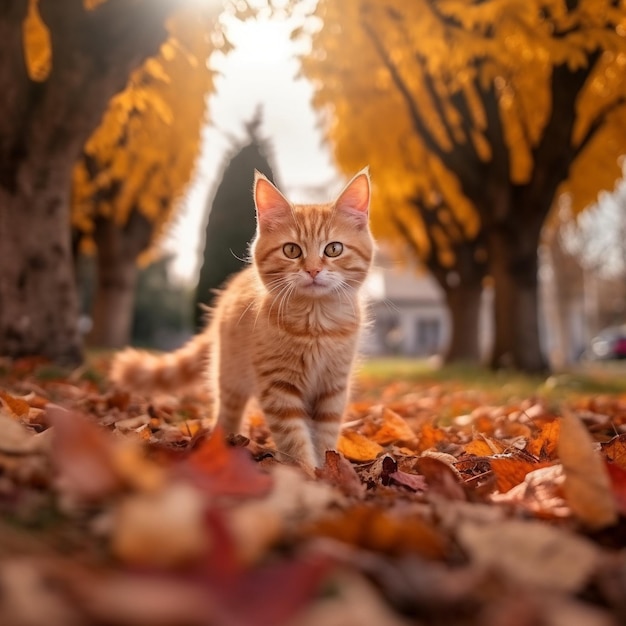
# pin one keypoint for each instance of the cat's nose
(313, 273)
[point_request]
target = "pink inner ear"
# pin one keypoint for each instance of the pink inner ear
(271, 205)
(355, 198)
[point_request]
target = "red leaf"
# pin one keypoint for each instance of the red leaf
(414, 482)
(226, 471)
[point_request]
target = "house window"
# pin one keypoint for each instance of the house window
(390, 333)
(428, 335)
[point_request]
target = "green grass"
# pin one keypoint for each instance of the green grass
(584, 380)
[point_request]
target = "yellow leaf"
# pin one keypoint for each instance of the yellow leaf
(394, 428)
(37, 46)
(356, 447)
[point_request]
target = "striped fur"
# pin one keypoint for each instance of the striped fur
(286, 328)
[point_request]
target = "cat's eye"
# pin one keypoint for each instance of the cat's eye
(333, 249)
(292, 250)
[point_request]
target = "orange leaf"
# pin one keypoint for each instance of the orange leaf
(17, 407)
(430, 436)
(543, 444)
(356, 447)
(373, 529)
(394, 428)
(510, 471)
(225, 470)
(484, 446)
(615, 450)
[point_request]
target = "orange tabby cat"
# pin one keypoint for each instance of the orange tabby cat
(286, 328)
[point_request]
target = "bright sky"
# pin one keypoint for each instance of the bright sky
(260, 71)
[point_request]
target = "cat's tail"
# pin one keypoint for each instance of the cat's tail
(141, 371)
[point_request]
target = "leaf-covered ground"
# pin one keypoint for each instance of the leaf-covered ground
(452, 501)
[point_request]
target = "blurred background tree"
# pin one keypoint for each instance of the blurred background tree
(231, 221)
(62, 62)
(137, 165)
(475, 117)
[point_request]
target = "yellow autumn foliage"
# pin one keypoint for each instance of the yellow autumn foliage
(37, 45)
(446, 54)
(142, 156)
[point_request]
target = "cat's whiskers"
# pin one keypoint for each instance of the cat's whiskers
(344, 290)
(273, 284)
(284, 288)
(282, 307)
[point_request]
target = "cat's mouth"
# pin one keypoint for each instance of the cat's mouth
(315, 286)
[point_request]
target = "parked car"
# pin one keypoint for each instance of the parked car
(608, 344)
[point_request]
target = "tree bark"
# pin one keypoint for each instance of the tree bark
(38, 304)
(514, 269)
(116, 279)
(43, 127)
(464, 304)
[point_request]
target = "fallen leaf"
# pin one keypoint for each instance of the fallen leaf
(15, 439)
(393, 429)
(615, 450)
(82, 454)
(532, 553)
(338, 471)
(587, 486)
(441, 477)
(161, 529)
(544, 442)
(483, 446)
(511, 470)
(13, 406)
(28, 598)
(541, 493)
(354, 601)
(429, 437)
(225, 470)
(372, 528)
(414, 482)
(617, 476)
(356, 447)
(377, 472)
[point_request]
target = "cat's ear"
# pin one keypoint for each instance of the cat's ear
(271, 206)
(354, 200)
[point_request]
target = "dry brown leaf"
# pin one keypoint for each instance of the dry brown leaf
(338, 471)
(356, 447)
(615, 450)
(587, 486)
(532, 553)
(441, 477)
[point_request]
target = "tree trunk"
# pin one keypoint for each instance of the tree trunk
(43, 127)
(114, 301)
(464, 304)
(116, 279)
(38, 304)
(514, 269)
